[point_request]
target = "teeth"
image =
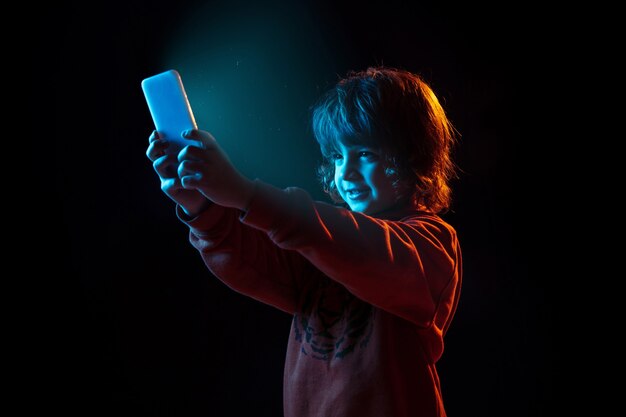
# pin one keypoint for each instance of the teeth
(355, 193)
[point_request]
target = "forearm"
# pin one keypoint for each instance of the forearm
(244, 258)
(401, 266)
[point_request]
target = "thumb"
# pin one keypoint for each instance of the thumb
(205, 139)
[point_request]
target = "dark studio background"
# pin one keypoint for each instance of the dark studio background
(139, 326)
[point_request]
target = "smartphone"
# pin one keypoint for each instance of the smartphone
(169, 106)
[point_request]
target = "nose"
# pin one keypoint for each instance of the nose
(349, 169)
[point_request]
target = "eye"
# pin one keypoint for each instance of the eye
(368, 155)
(335, 156)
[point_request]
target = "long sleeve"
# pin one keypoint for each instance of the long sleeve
(371, 297)
(244, 258)
(408, 266)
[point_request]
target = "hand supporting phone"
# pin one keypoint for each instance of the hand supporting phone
(169, 106)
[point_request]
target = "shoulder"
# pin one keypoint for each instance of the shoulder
(426, 224)
(411, 215)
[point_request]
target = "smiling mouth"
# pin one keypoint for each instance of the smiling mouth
(357, 194)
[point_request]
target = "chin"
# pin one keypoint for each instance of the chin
(362, 208)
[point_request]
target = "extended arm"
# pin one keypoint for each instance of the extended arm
(409, 266)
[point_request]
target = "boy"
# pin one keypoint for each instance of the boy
(373, 282)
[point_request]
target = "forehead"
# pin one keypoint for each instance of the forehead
(348, 142)
(337, 143)
(355, 147)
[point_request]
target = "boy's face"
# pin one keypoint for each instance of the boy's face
(361, 180)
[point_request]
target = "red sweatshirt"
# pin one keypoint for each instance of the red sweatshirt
(371, 297)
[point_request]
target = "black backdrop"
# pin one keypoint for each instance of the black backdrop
(137, 325)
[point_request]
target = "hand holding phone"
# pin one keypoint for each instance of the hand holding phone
(169, 106)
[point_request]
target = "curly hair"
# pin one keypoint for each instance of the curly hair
(396, 111)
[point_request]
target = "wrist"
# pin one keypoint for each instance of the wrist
(192, 213)
(249, 189)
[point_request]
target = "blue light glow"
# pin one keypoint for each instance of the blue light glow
(250, 77)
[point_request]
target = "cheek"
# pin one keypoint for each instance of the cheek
(337, 176)
(336, 182)
(377, 175)
(384, 183)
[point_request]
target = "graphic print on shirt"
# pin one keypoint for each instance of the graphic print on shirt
(332, 323)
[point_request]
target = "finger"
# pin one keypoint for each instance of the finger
(207, 141)
(203, 142)
(188, 167)
(171, 186)
(194, 153)
(192, 174)
(153, 136)
(189, 182)
(166, 166)
(157, 149)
